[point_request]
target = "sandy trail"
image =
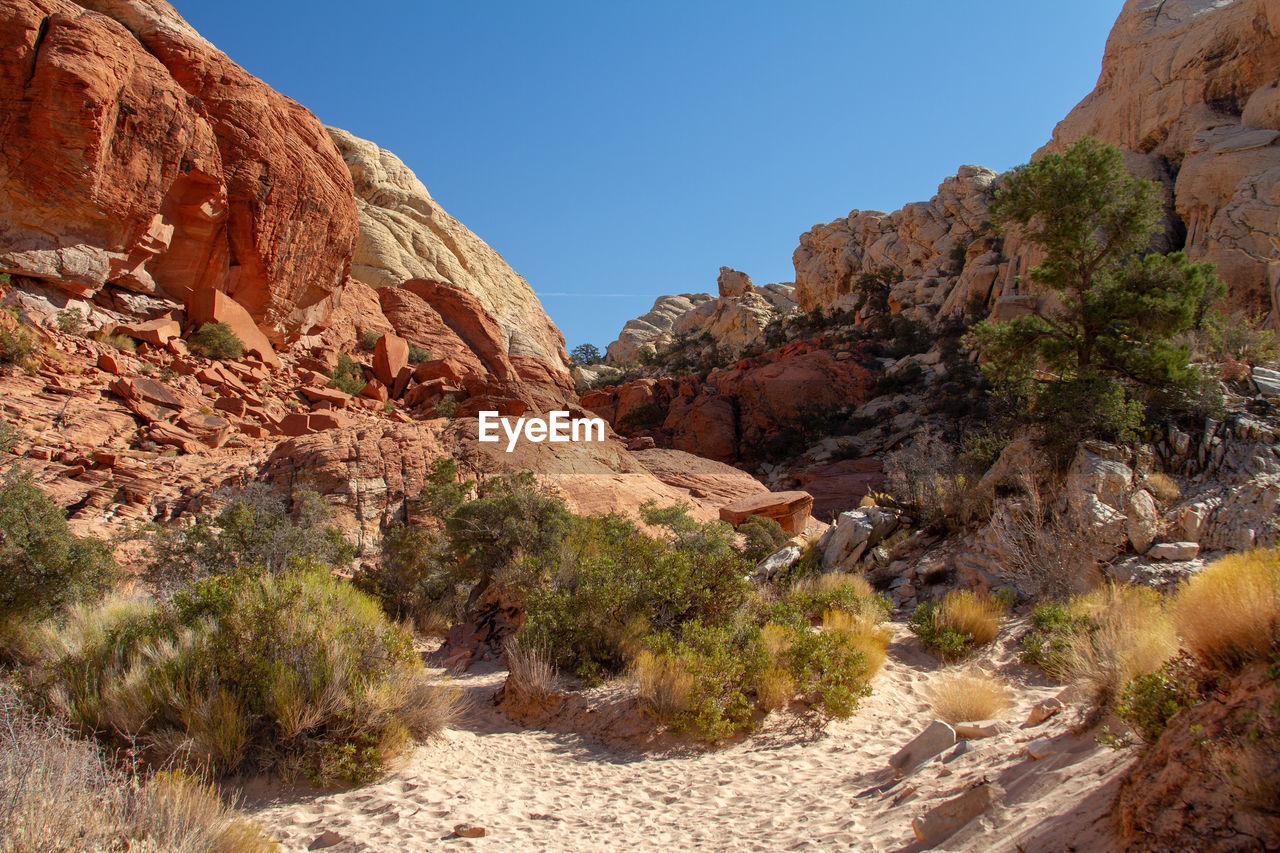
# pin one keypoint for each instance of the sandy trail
(783, 789)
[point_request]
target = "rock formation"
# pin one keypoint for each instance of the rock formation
(405, 234)
(1188, 90)
(138, 156)
(735, 320)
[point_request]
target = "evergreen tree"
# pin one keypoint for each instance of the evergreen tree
(1087, 359)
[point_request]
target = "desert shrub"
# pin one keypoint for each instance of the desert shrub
(288, 672)
(414, 577)
(1228, 615)
(347, 375)
(664, 684)
(447, 407)
(761, 537)
(592, 599)
(1151, 699)
(1053, 624)
(16, 347)
(64, 793)
(252, 530)
(216, 340)
(685, 532)
(369, 341)
(968, 696)
(1124, 633)
(958, 624)
(1238, 337)
(418, 355)
(721, 665)
(43, 567)
(71, 321)
(1049, 554)
(926, 476)
(124, 343)
(816, 595)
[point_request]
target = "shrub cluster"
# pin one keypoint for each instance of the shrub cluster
(216, 340)
(960, 623)
(602, 598)
(347, 375)
(257, 657)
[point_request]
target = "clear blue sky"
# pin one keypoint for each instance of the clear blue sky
(614, 152)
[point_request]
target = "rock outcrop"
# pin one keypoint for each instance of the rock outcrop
(138, 156)
(733, 321)
(405, 234)
(1188, 91)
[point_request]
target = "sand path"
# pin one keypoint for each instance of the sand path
(783, 789)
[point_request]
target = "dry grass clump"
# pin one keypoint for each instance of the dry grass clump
(61, 793)
(531, 676)
(968, 696)
(1229, 614)
(1251, 768)
(958, 624)
(1162, 487)
(1126, 633)
(663, 684)
(866, 632)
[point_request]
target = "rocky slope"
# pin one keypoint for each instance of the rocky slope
(150, 184)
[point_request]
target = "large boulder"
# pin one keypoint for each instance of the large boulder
(137, 154)
(214, 306)
(789, 509)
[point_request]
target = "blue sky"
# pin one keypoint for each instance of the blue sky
(614, 152)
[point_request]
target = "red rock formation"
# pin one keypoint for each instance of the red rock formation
(138, 154)
(214, 306)
(739, 406)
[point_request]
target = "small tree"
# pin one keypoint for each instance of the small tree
(216, 340)
(585, 354)
(1085, 365)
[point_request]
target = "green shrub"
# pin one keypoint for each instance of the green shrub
(591, 600)
(447, 407)
(1151, 700)
(16, 347)
(252, 530)
(1048, 643)
(216, 340)
(369, 340)
(71, 321)
(347, 375)
(418, 355)
(647, 416)
(297, 672)
(43, 567)
(958, 624)
(762, 536)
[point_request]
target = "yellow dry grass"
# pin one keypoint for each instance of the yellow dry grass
(1130, 634)
(974, 614)
(1228, 615)
(663, 684)
(968, 695)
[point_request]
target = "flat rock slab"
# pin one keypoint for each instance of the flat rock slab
(790, 509)
(930, 742)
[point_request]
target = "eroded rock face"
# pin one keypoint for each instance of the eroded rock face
(405, 234)
(944, 248)
(138, 154)
(655, 329)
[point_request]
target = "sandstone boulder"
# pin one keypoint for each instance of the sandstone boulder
(390, 356)
(789, 509)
